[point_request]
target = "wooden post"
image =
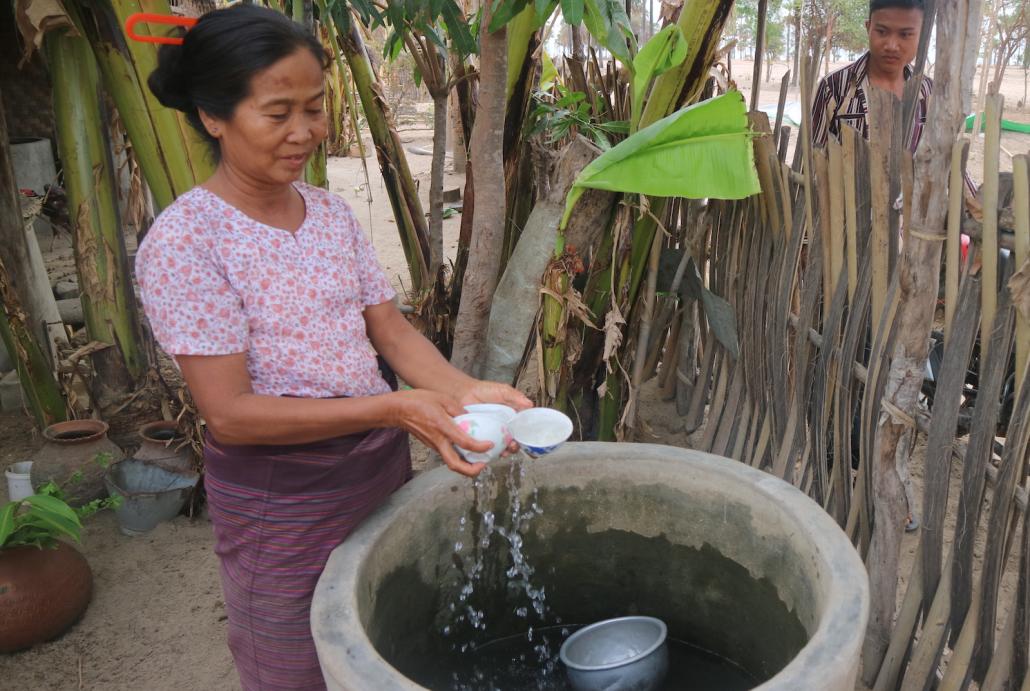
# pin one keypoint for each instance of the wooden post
(959, 153)
(756, 79)
(1021, 189)
(992, 141)
(919, 273)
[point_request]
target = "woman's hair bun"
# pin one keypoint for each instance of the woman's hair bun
(169, 82)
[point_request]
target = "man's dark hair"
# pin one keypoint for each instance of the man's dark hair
(890, 4)
(213, 67)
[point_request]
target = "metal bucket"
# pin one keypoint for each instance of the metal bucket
(150, 494)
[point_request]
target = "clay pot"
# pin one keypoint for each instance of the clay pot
(42, 593)
(164, 446)
(76, 447)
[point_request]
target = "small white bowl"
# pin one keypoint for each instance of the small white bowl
(505, 413)
(539, 431)
(483, 427)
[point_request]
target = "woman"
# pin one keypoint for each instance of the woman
(268, 295)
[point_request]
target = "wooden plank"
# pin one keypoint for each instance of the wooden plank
(848, 170)
(992, 140)
(794, 441)
(835, 156)
(953, 248)
(979, 452)
(901, 637)
(1021, 208)
(1011, 473)
(821, 168)
(881, 125)
(1021, 642)
(756, 79)
(999, 673)
(780, 103)
(947, 401)
(784, 144)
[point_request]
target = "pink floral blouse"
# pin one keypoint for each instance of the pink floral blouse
(215, 281)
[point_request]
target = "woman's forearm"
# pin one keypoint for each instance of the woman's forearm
(413, 357)
(249, 418)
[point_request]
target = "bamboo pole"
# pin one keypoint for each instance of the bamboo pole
(953, 257)
(400, 185)
(1021, 193)
(836, 213)
(756, 76)
(989, 294)
(849, 172)
(108, 301)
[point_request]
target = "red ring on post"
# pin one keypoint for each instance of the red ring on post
(149, 18)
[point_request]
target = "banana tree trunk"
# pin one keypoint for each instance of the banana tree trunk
(702, 22)
(170, 153)
(488, 223)
(436, 183)
(41, 391)
(523, 41)
(108, 301)
(400, 185)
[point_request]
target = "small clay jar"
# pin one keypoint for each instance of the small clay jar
(75, 456)
(42, 593)
(163, 445)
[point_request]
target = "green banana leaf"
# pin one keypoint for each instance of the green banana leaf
(701, 151)
(548, 72)
(665, 50)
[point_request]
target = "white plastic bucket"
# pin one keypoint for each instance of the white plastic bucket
(19, 485)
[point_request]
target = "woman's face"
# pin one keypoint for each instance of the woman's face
(277, 127)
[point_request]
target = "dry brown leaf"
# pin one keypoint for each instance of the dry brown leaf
(1019, 288)
(36, 17)
(613, 323)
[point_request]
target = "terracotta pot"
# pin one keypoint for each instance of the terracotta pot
(164, 446)
(42, 593)
(76, 447)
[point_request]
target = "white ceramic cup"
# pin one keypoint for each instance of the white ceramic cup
(539, 431)
(482, 427)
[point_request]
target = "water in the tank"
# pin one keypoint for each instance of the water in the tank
(510, 578)
(530, 601)
(512, 664)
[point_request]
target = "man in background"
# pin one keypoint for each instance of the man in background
(894, 27)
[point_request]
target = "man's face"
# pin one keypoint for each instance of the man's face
(894, 37)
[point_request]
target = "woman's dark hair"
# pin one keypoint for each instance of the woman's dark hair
(212, 69)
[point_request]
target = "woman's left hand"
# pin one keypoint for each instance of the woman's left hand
(480, 391)
(495, 392)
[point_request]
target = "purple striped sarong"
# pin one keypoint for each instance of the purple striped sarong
(277, 512)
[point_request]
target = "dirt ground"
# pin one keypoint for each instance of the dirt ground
(157, 620)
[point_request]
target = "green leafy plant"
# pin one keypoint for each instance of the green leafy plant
(703, 150)
(568, 113)
(39, 520)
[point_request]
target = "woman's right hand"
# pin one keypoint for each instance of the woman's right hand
(427, 415)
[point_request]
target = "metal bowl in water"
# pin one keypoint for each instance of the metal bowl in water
(625, 654)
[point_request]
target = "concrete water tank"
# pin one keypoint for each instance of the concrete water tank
(734, 561)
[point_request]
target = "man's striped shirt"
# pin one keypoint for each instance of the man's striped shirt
(840, 100)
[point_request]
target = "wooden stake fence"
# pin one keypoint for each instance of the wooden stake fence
(809, 269)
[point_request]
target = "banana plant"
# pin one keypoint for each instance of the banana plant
(701, 151)
(108, 300)
(170, 153)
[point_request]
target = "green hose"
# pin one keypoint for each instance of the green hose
(1006, 126)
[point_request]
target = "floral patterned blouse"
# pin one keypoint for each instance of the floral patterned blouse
(215, 281)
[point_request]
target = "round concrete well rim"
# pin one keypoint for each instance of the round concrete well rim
(833, 647)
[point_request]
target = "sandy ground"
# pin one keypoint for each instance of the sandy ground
(157, 619)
